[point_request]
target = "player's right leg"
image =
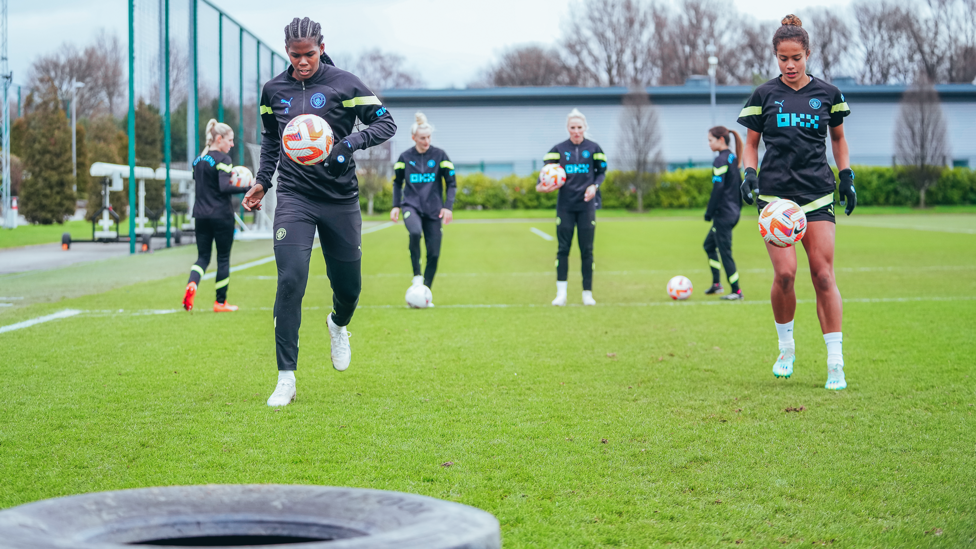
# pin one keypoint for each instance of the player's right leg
(224, 238)
(565, 223)
(412, 221)
(723, 238)
(205, 237)
(713, 263)
(294, 234)
(432, 237)
(586, 233)
(783, 298)
(340, 232)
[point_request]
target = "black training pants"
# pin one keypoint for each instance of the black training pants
(720, 238)
(584, 223)
(209, 231)
(340, 232)
(430, 228)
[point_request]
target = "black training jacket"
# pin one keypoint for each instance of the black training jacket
(726, 200)
(585, 165)
(211, 173)
(425, 177)
(339, 98)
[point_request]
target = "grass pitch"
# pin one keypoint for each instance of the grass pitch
(635, 423)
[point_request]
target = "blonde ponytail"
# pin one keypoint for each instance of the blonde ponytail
(214, 129)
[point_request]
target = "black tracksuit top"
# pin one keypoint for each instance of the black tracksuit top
(585, 165)
(726, 200)
(419, 181)
(339, 98)
(211, 174)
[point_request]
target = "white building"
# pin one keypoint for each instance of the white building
(507, 130)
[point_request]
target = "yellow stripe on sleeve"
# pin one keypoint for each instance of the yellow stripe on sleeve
(720, 171)
(224, 167)
(600, 156)
(447, 164)
(399, 166)
(750, 111)
(357, 101)
(266, 110)
(551, 156)
(840, 107)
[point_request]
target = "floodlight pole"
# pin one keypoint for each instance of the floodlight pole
(74, 127)
(220, 67)
(132, 128)
(9, 220)
(712, 69)
(167, 130)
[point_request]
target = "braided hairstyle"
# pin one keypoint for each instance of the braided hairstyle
(305, 29)
(791, 29)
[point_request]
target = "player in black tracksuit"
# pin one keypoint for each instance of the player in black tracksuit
(586, 168)
(419, 184)
(723, 210)
(321, 196)
(793, 114)
(213, 213)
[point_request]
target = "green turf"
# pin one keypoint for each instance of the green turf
(636, 423)
(28, 235)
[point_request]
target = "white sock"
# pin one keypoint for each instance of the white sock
(785, 332)
(835, 347)
(286, 374)
(561, 287)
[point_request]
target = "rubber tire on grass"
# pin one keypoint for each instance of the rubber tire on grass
(146, 242)
(178, 237)
(318, 517)
(65, 241)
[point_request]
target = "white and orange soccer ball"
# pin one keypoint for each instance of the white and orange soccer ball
(680, 288)
(782, 223)
(552, 177)
(240, 176)
(418, 296)
(307, 139)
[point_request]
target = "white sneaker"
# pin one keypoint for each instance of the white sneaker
(283, 394)
(588, 298)
(560, 300)
(341, 353)
(835, 377)
(417, 281)
(784, 364)
(430, 305)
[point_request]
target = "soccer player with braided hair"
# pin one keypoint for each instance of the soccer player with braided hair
(793, 114)
(321, 196)
(213, 213)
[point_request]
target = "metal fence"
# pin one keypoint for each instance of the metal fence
(189, 61)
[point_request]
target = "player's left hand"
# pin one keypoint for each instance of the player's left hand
(446, 215)
(590, 193)
(339, 159)
(846, 189)
(252, 200)
(708, 218)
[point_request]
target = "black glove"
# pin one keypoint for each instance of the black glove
(846, 190)
(750, 186)
(708, 218)
(339, 159)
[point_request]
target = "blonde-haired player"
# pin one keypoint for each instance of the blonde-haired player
(586, 167)
(422, 176)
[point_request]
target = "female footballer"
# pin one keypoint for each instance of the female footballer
(586, 168)
(321, 196)
(422, 175)
(213, 213)
(723, 210)
(793, 114)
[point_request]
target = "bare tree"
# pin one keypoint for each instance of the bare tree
(962, 56)
(530, 65)
(683, 49)
(384, 71)
(109, 79)
(887, 49)
(640, 144)
(755, 62)
(373, 171)
(830, 40)
(611, 42)
(921, 141)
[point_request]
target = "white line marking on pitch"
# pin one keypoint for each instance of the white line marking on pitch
(10, 298)
(39, 320)
(270, 258)
(542, 234)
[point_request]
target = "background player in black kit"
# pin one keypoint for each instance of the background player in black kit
(723, 210)
(586, 168)
(793, 114)
(421, 176)
(322, 196)
(213, 213)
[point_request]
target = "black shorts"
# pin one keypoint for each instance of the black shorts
(816, 207)
(340, 226)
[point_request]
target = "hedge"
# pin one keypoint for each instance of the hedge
(690, 188)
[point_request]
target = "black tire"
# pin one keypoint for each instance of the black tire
(320, 517)
(178, 237)
(146, 241)
(65, 241)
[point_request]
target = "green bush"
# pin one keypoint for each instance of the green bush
(689, 188)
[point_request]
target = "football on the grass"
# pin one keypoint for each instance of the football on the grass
(680, 288)
(419, 296)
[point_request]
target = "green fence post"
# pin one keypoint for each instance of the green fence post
(220, 67)
(257, 125)
(196, 88)
(240, 105)
(167, 135)
(132, 127)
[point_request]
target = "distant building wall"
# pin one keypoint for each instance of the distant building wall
(508, 130)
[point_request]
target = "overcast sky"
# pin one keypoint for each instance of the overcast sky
(448, 42)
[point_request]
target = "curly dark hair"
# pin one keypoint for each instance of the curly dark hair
(791, 29)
